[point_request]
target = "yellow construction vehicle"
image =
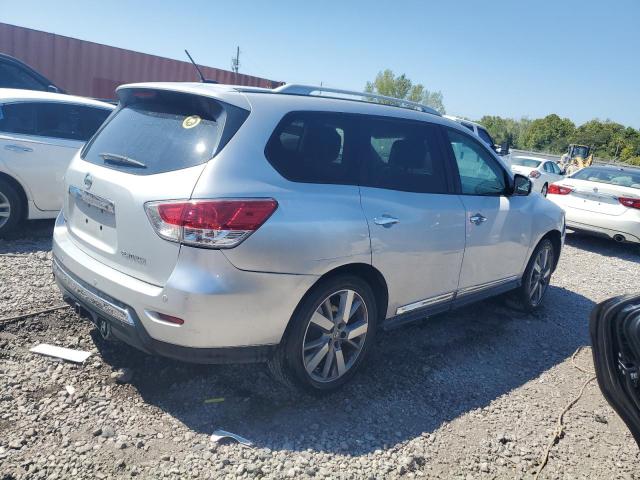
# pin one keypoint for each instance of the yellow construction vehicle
(576, 158)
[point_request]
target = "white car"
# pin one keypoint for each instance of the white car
(604, 200)
(541, 172)
(40, 132)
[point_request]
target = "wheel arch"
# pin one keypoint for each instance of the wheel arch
(368, 273)
(20, 190)
(556, 239)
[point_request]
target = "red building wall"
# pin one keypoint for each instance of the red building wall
(95, 70)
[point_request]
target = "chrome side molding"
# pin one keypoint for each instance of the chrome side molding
(425, 303)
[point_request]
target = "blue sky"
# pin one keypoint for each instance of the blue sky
(580, 59)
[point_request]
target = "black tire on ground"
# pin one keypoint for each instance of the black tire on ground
(11, 203)
(287, 364)
(526, 298)
(545, 188)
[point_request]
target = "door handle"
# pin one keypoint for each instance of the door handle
(477, 219)
(385, 221)
(18, 148)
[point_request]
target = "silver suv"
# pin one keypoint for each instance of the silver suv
(216, 224)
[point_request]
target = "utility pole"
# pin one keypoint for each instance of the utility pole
(235, 62)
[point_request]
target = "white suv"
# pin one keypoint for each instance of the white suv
(213, 223)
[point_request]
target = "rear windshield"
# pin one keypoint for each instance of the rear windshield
(623, 178)
(155, 132)
(525, 162)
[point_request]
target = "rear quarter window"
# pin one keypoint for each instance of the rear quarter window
(314, 147)
(163, 131)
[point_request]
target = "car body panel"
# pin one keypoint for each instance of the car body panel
(495, 249)
(315, 228)
(420, 256)
(124, 239)
(39, 162)
(222, 305)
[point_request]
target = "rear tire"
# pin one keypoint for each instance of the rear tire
(537, 276)
(324, 348)
(11, 208)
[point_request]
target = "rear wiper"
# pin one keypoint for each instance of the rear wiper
(122, 160)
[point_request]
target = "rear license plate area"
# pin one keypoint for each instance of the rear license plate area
(92, 217)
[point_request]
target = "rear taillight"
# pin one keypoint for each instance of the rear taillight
(534, 174)
(209, 223)
(555, 189)
(630, 202)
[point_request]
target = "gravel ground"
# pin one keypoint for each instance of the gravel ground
(471, 394)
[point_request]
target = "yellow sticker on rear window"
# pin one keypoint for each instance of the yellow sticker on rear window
(191, 121)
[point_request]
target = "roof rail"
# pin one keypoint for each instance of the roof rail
(296, 89)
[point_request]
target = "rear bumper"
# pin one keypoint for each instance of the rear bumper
(606, 225)
(229, 315)
(134, 334)
(601, 224)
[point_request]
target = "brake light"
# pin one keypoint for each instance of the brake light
(555, 189)
(630, 202)
(209, 223)
(534, 174)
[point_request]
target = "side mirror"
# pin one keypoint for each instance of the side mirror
(521, 185)
(53, 88)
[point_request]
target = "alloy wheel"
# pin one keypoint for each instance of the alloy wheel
(335, 336)
(540, 274)
(5, 209)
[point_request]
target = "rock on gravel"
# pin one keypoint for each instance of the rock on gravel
(470, 394)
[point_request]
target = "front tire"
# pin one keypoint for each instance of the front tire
(11, 208)
(537, 276)
(330, 333)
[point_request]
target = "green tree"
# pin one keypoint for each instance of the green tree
(386, 83)
(506, 129)
(552, 134)
(607, 138)
(549, 134)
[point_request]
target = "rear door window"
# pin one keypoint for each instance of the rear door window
(314, 147)
(18, 118)
(155, 132)
(402, 155)
(70, 122)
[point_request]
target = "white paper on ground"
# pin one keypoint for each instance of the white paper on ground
(222, 434)
(77, 356)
